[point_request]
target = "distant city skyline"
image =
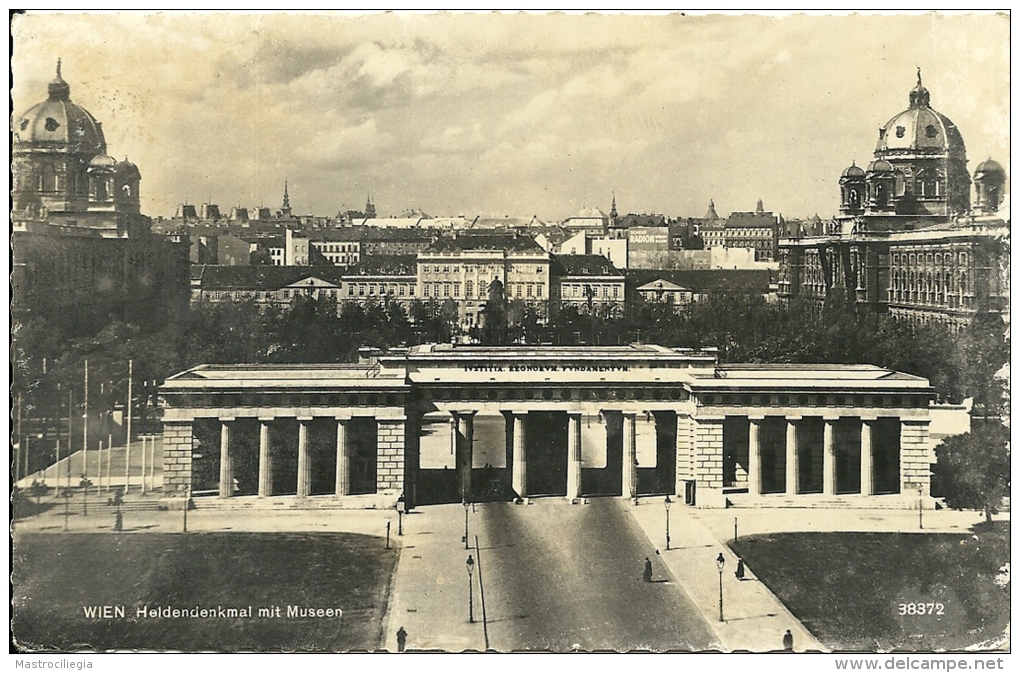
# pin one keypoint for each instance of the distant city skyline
(506, 114)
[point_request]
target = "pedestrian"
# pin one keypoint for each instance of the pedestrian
(401, 639)
(788, 641)
(740, 569)
(647, 575)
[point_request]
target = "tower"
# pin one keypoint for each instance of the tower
(612, 212)
(711, 214)
(285, 210)
(759, 209)
(989, 178)
(369, 208)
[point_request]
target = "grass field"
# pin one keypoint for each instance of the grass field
(55, 576)
(847, 588)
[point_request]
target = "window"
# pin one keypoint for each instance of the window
(529, 289)
(539, 290)
(425, 269)
(930, 131)
(469, 288)
(446, 269)
(425, 290)
(456, 289)
(446, 289)
(616, 292)
(361, 290)
(350, 290)
(410, 290)
(371, 290)
(402, 290)
(519, 291)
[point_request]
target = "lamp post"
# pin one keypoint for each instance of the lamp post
(920, 508)
(667, 502)
(471, 593)
(400, 514)
(719, 563)
(466, 545)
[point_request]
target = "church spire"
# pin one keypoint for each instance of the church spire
(370, 208)
(612, 211)
(285, 210)
(759, 209)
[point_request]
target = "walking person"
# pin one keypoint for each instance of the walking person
(740, 569)
(646, 576)
(401, 639)
(788, 641)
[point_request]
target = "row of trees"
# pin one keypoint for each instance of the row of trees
(49, 358)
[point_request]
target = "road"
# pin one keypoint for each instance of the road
(559, 577)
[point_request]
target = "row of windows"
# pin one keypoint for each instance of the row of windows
(470, 268)
(586, 290)
(369, 289)
(929, 258)
(336, 247)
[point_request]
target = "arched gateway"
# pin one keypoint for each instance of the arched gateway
(441, 423)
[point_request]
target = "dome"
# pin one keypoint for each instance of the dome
(58, 123)
(880, 166)
(920, 129)
(126, 168)
(102, 161)
(989, 166)
(853, 171)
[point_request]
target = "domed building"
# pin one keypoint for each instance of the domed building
(906, 240)
(62, 173)
(83, 252)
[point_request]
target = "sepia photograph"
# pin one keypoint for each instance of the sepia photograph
(554, 332)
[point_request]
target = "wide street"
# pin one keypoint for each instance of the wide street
(559, 577)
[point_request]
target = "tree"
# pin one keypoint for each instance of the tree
(972, 471)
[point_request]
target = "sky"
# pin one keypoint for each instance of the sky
(511, 114)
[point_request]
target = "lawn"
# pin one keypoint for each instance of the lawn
(55, 576)
(847, 588)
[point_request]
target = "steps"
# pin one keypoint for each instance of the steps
(290, 502)
(807, 501)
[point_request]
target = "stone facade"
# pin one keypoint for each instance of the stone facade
(177, 443)
(390, 471)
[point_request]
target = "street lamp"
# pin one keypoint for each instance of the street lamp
(667, 503)
(719, 563)
(471, 594)
(465, 503)
(400, 514)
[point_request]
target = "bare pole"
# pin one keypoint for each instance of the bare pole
(70, 432)
(481, 593)
(109, 459)
(21, 443)
(127, 442)
(85, 425)
(152, 462)
(143, 464)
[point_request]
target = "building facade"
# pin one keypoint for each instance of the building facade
(451, 423)
(82, 250)
(907, 241)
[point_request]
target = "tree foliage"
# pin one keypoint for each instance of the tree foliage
(972, 471)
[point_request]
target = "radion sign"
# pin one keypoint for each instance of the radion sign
(646, 239)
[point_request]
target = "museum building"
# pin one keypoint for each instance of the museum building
(453, 423)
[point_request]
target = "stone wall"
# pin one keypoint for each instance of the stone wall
(176, 458)
(916, 456)
(390, 466)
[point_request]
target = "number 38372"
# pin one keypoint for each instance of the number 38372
(922, 609)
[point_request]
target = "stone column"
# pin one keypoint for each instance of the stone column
(226, 469)
(828, 459)
(629, 488)
(573, 456)
(343, 479)
(792, 465)
(519, 474)
(304, 463)
(465, 444)
(867, 477)
(754, 457)
(265, 461)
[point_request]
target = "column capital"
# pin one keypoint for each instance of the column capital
(227, 419)
(266, 419)
(757, 418)
(831, 418)
(794, 417)
(305, 419)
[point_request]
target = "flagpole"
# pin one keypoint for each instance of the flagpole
(127, 443)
